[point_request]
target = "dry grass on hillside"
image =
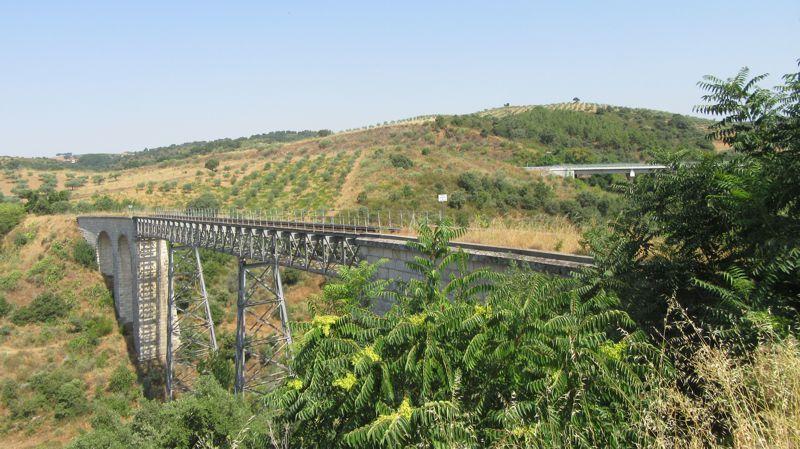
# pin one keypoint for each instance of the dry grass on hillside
(47, 347)
(560, 235)
(754, 398)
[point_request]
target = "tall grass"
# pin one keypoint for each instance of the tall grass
(728, 398)
(552, 235)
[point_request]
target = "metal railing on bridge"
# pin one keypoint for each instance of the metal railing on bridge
(404, 222)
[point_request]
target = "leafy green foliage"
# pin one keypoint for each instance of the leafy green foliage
(90, 329)
(207, 201)
(211, 417)
(401, 161)
(70, 399)
(609, 134)
(498, 191)
(122, 380)
(59, 388)
(5, 307)
(46, 200)
(84, 254)
(11, 214)
(355, 287)
(10, 281)
(46, 307)
(211, 164)
(538, 359)
(720, 237)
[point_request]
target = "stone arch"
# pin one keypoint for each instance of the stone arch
(105, 255)
(124, 281)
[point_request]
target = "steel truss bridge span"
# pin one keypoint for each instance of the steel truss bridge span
(311, 247)
(155, 263)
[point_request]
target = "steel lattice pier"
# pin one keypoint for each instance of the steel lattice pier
(190, 336)
(262, 328)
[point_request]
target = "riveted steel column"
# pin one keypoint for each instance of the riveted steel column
(170, 323)
(240, 316)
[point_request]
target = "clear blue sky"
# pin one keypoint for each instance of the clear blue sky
(110, 77)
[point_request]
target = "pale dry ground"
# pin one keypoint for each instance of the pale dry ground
(571, 106)
(720, 146)
(34, 347)
(556, 234)
(350, 188)
(564, 238)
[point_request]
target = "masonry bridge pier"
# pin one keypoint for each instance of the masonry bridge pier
(154, 264)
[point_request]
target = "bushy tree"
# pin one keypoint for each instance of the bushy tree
(46, 307)
(84, 254)
(211, 417)
(212, 164)
(207, 201)
(11, 214)
(46, 201)
(721, 237)
(401, 161)
(536, 363)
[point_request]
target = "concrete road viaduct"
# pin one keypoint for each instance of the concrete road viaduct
(154, 265)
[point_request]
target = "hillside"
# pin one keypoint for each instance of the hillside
(589, 133)
(475, 158)
(149, 156)
(63, 361)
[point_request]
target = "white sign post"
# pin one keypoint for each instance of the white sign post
(442, 200)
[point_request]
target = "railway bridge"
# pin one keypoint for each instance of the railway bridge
(154, 264)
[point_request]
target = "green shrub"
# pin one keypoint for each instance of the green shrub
(5, 307)
(105, 417)
(91, 328)
(217, 312)
(22, 238)
(9, 391)
(212, 164)
(47, 271)
(70, 400)
(47, 307)
(291, 276)
(122, 380)
(84, 254)
(9, 282)
(47, 383)
(120, 404)
(401, 161)
(457, 199)
(24, 408)
(11, 214)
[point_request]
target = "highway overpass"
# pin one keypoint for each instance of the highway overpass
(579, 170)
